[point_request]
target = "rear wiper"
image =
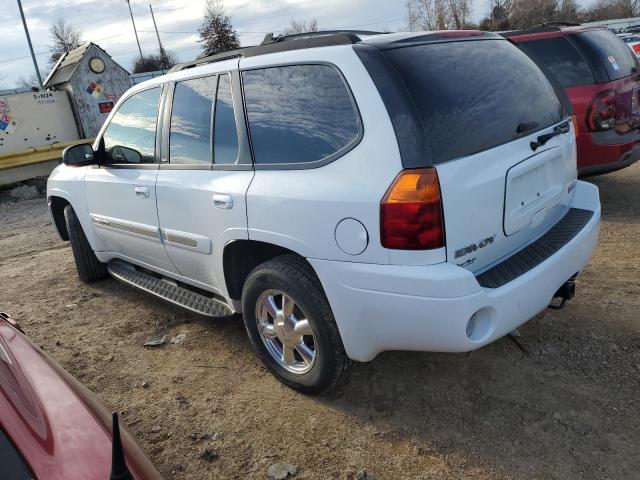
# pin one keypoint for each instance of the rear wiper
(542, 139)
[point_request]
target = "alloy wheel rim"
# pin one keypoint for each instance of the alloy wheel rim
(285, 331)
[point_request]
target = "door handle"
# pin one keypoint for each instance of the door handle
(142, 192)
(222, 201)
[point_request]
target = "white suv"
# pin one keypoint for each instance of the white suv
(348, 194)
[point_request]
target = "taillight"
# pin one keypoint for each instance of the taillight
(574, 120)
(411, 212)
(636, 48)
(601, 114)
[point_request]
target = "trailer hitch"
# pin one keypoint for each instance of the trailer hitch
(566, 292)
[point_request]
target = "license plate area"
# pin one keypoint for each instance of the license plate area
(532, 187)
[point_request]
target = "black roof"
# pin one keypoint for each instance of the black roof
(273, 44)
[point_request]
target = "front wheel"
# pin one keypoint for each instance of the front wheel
(291, 326)
(88, 266)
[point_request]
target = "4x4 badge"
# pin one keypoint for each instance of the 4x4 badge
(461, 252)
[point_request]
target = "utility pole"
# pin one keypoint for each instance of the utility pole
(134, 27)
(33, 55)
(163, 55)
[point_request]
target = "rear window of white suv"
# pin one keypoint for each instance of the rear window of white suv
(475, 95)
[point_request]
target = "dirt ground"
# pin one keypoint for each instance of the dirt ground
(564, 406)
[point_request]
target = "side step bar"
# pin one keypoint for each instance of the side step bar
(168, 291)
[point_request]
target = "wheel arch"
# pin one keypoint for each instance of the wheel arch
(240, 257)
(56, 211)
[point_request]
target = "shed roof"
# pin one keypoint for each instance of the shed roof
(67, 65)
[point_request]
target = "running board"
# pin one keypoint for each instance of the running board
(167, 290)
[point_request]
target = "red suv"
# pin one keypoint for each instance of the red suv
(600, 75)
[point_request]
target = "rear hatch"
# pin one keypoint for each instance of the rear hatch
(614, 62)
(484, 106)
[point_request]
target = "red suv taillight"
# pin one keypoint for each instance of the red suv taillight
(411, 212)
(601, 114)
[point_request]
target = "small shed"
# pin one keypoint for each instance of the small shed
(93, 81)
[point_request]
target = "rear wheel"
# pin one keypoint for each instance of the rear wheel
(88, 266)
(291, 326)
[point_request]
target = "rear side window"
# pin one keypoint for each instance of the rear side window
(475, 95)
(190, 138)
(299, 114)
(562, 60)
(617, 58)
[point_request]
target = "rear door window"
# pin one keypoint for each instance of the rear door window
(299, 114)
(562, 60)
(475, 95)
(190, 137)
(603, 46)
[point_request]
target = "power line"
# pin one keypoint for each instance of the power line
(171, 32)
(6, 60)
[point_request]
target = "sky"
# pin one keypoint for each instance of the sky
(107, 23)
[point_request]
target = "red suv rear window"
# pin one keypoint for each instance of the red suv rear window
(565, 62)
(603, 46)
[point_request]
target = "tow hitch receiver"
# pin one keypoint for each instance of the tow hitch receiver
(566, 292)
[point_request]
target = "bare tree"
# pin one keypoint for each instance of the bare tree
(568, 11)
(428, 14)
(438, 14)
(602, 10)
(627, 8)
(64, 37)
(30, 81)
(301, 26)
(217, 33)
(460, 11)
(526, 13)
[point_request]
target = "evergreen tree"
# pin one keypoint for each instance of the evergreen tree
(217, 33)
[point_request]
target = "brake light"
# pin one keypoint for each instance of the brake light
(601, 114)
(411, 212)
(636, 48)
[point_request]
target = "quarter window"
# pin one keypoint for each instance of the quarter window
(131, 135)
(299, 113)
(190, 137)
(226, 134)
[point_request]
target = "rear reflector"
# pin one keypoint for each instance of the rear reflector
(601, 114)
(411, 212)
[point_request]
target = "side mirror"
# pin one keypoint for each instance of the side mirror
(78, 155)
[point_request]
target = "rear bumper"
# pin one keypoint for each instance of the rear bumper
(427, 308)
(596, 158)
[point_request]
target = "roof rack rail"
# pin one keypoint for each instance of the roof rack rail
(556, 24)
(326, 40)
(272, 38)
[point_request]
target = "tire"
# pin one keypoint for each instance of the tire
(293, 277)
(88, 266)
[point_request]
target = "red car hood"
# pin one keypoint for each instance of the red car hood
(62, 430)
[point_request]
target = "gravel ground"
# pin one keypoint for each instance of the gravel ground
(564, 404)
